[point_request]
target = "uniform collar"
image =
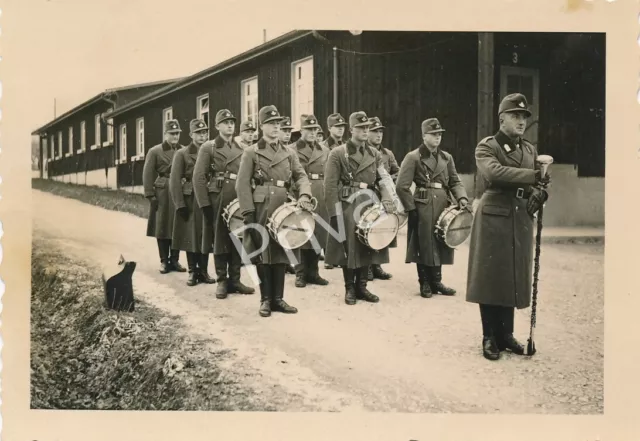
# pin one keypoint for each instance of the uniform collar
(352, 148)
(507, 145)
(167, 146)
(426, 153)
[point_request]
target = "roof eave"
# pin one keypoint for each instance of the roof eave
(248, 55)
(67, 114)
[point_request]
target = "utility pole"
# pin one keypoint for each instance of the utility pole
(54, 108)
(264, 36)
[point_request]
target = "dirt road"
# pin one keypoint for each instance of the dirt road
(404, 354)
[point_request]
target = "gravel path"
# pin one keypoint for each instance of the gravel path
(405, 354)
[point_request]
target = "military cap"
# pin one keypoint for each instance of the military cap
(197, 125)
(335, 119)
(172, 126)
(268, 114)
(359, 119)
(224, 115)
(431, 125)
(515, 102)
(375, 123)
(286, 123)
(309, 122)
(247, 125)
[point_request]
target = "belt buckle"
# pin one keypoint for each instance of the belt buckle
(279, 183)
(315, 176)
(362, 185)
(232, 176)
(520, 193)
(437, 185)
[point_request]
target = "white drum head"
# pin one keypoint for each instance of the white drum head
(296, 229)
(383, 231)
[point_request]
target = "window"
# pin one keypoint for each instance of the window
(203, 108)
(301, 89)
(140, 137)
(59, 144)
(123, 143)
(167, 114)
(97, 133)
(249, 105)
(71, 140)
(83, 136)
(110, 130)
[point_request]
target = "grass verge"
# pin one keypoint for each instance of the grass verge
(116, 200)
(84, 356)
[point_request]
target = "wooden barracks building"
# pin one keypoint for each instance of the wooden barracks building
(401, 77)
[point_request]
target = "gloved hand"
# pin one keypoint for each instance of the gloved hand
(536, 200)
(305, 203)
(184, 213)
(153, 202)
(462, 203)
(256, 237)
(208, 214)
(413, 218)
(543, 182)
(389, 207)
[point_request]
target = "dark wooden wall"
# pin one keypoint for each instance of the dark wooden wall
(572, 93)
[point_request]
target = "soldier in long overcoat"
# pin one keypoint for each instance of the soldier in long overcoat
(155, 180)
(266, 171)
(376, 133)
(188, 222)
(247, 131)
(214, 177)
(501, 247)
(284, 135)
(313, 158)
(434, 173)
(351, 173)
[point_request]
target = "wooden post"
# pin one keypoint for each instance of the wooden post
(486, 69)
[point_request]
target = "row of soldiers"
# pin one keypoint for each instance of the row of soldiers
(189, 187)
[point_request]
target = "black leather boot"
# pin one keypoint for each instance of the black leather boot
(278, 303)
(290, 269)
(264, 274)
(504, 332)
(192, 262)
(301, 280)
(164, 249)
(379, 273)
(203, 274)
(174, 265)
(349, 285)
(489, 314)
(435, 282)
(221, 261)
(312, 272)
(425, 289)
(362, 293)
(490, 349)
(235, 285)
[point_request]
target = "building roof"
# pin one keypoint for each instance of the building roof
(270, 45)
(99, 97)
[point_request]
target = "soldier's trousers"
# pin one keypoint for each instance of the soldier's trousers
(307, 262)
(164, 248)
(271, 281)
(497, 321)
(228, 266)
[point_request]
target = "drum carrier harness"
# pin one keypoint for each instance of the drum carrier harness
(349, 185)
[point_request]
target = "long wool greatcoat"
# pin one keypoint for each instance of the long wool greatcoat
(277, 163)
(501, 248)
(366, 167)
(215, 157)
(313, 159)
(187, 235)
(391, 166)
(155, 179)
(422, 167)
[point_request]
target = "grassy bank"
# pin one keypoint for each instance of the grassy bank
(86, 357)
(117, 200)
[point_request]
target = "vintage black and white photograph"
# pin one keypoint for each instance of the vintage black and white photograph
(387, 221)
(306, 218)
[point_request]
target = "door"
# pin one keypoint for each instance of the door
(527, 82)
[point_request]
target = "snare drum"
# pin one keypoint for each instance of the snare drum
(291, 226)
(232, 217)
(376, 228)
(454, 226)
